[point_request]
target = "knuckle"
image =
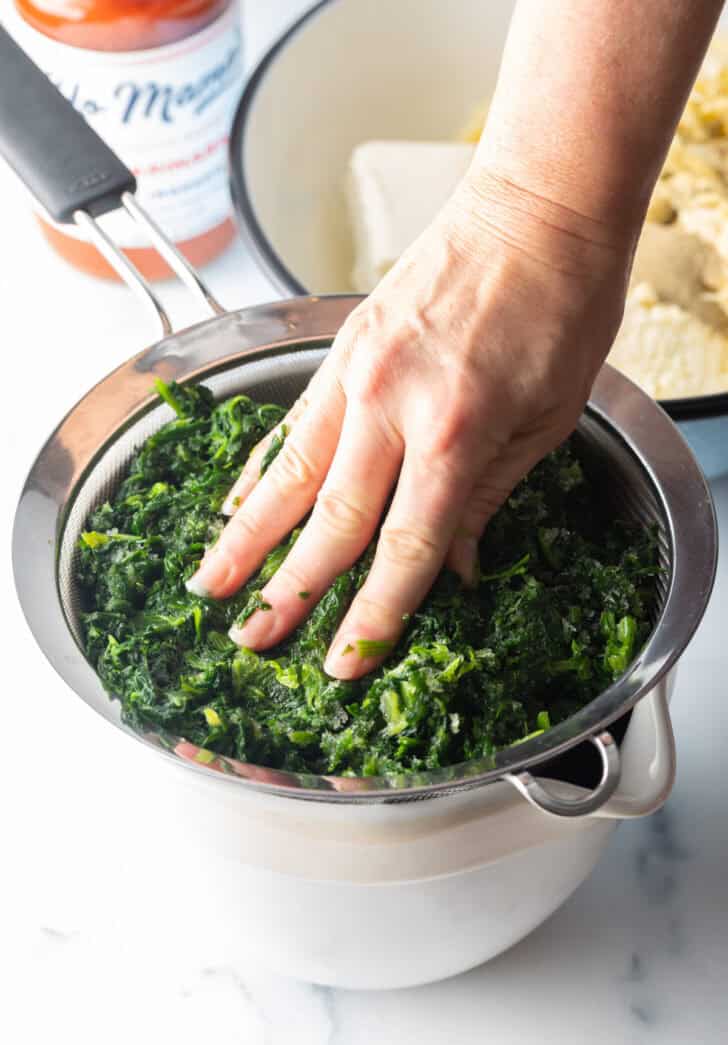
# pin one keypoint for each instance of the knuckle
(371, 376)
(355, 329)
(242, 525)
(293, 578)
(445, 437)
(292, 468)
(368, 318)
(356, 325)
(368, 612)
(339, 516)
(375, 358)
(405, 545)
(462, 430)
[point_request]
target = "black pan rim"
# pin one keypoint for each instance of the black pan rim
(248, 225)
(690, 408)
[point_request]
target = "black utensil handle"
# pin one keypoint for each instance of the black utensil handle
(50, 146)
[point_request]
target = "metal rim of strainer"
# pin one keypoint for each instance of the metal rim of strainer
(636, 427)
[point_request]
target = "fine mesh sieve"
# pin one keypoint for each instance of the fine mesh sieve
(646, 474)
(646, 471)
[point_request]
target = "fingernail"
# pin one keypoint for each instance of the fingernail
(257, 630)
(342, 660)
(212, 575)
(351, 658)
(231, 503)
(195, 586)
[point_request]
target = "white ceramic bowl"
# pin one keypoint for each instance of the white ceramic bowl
(385, 896)
(350, 71)
(347, 72)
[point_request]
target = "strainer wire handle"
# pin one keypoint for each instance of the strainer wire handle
(547, 802)
(131, 275)
(75, 176)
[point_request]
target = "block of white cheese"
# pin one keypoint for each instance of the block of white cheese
(668, 351)
(394, 190)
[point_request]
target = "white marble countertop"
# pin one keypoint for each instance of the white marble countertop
(638, 954)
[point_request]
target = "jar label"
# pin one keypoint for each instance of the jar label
(165, 111)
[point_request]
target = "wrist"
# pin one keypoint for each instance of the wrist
(522, 256)
(488, 204)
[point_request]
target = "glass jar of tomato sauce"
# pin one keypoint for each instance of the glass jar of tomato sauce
(158, 80)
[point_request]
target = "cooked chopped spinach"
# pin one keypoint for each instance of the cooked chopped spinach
(563, 603)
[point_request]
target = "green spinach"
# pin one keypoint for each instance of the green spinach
(563, 604)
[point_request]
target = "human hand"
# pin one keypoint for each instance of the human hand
(470, 361)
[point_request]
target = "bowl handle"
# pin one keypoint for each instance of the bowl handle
(648, 758)
(633, 784)
(584, 802)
